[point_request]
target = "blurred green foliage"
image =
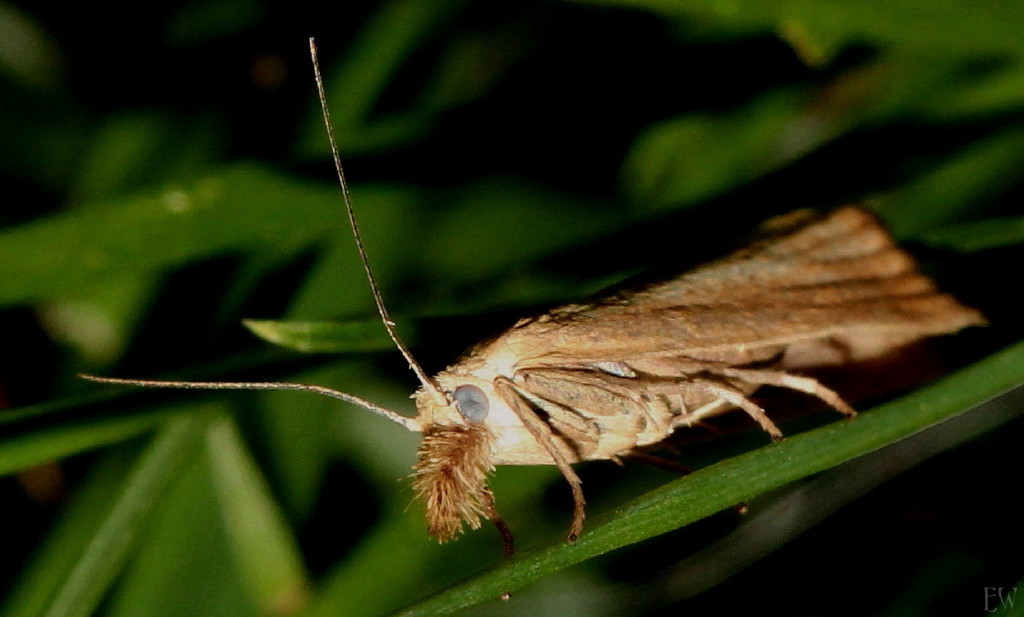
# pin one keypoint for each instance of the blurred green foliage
(169, 186)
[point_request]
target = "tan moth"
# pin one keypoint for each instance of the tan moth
(600, 379)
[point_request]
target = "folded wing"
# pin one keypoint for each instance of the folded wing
(837, 276)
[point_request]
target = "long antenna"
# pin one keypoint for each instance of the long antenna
(435, 391)
(410, 423)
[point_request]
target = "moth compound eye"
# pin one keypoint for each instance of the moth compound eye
(471, 403)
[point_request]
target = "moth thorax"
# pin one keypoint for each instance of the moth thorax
(450, 477)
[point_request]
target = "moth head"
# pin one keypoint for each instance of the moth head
(466, 402)
(455, 457)
(475, 400)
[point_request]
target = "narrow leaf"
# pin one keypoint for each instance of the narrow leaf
(327, 337)
(95, 569)
(238, 209)
(991, 27)
(953, 191)
(56, 441)
(978, 236)
(265, 551)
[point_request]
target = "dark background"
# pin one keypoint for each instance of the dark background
(166, 176)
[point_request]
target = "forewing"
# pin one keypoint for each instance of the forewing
(838, 275)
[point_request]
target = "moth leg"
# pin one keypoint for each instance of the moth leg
(671, 466)
(782, 379)
(690, 419)
(491, 511)
(737, 398)
(578, 433)
(660, 462)
(546, 438)
(684, 417)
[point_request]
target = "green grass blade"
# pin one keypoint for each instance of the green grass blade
(56, 441)
(914, 23)
(238, 209)
(977, 236)
(100, 560)
(741, 478)
(184, 564)
(955, 190)
(328, 337)
(388, 40)
(266, 553)
(69, 535)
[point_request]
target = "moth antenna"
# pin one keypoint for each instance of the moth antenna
(409, 423)
(431, 387)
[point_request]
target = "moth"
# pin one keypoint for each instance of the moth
(600, 379)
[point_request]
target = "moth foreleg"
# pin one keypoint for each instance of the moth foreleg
(578, 433)
(546, 438)
(735, 397)
(491, 511)
(782, 379)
